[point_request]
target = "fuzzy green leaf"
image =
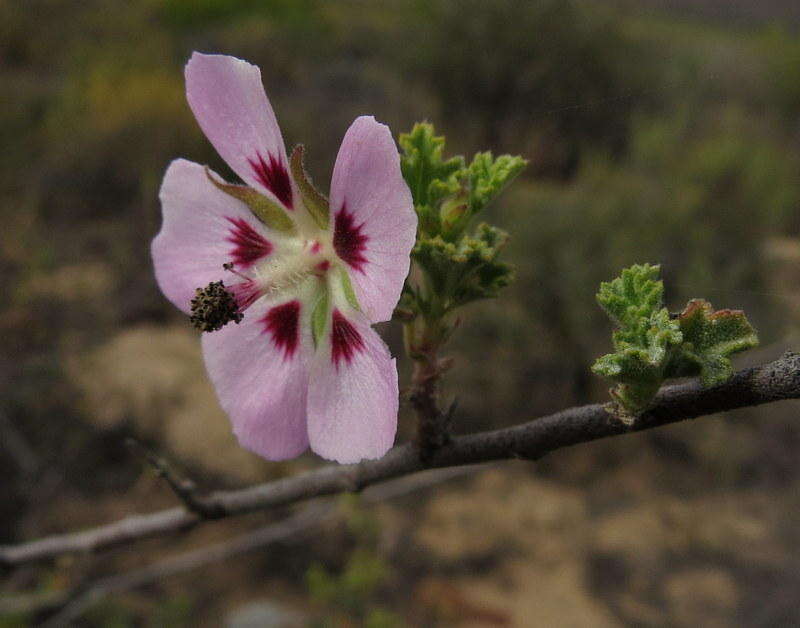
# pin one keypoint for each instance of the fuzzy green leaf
(488, 176)
(422, 163)
(709, 338)
(453, 265)
(466, 270)
(637, 294)
(644, 341)
(651, 346)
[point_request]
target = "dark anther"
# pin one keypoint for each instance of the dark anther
(213, 307)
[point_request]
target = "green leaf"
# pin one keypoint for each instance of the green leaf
(265, 210)
(421, 161)
(319, 316)
(640, 360)
(638, 293)
(428, 220)
(651, 346)
(468, 191)
(709, 338)
(465, 271)
(645, 338)
(488, 177)
(453, 265)
(315, 202)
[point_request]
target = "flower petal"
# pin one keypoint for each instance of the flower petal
(229, 102)
(373, 216)
(352, 395)
(259, 370)
(203, 228)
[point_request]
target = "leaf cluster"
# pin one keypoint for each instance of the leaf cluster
(458, 264)
(651, 346)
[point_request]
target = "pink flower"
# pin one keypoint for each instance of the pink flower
(297, 363)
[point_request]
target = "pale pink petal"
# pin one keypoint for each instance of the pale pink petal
(259, 370)
(228, 100)
(202, 229)
(352, 394)
(373, 216)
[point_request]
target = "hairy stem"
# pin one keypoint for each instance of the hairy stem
(424, 339)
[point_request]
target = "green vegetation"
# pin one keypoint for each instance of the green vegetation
(652, 346)
(352, 592)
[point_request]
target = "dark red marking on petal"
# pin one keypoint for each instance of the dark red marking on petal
(283, 323)
(245, 293)
(272, 174)
(250, 246)
(345, 339)
(323, 266)
(348, 240)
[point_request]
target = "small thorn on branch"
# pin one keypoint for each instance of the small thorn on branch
(184, 488)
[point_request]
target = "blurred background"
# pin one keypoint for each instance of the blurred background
(661, 131)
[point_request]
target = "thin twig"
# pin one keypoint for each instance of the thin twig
(751, 387)
(294, 525)
(75, 603)
(184, 489)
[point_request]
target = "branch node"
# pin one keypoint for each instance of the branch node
(184, 488)
(349, 482)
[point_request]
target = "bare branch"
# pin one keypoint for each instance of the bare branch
(296, 524)
(72, 605)
(751, 387)
(184, 489)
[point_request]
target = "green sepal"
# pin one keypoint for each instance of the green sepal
(319, 315)
(315, 202)
(347, 288)
(709, 338)
(271, 214)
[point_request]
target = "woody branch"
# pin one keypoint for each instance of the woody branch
(774, 381)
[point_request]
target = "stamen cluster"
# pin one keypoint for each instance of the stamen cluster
(213, 307)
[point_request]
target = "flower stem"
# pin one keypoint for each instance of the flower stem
(423, 339)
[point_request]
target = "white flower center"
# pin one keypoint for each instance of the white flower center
(296, 262)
